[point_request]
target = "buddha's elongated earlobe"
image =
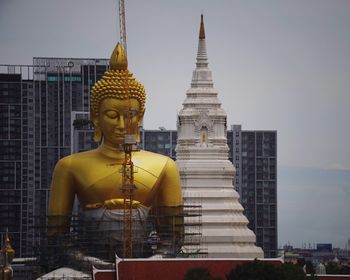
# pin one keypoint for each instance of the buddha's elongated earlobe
(97, 131)
(138, 138)
(138, 130)
(97, 134)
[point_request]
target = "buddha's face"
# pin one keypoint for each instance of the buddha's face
(113, 119)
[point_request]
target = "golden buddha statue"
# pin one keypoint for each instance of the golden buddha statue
(95, 177)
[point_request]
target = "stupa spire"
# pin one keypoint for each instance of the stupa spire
(201, 29)
(202, 58)
(202, 75)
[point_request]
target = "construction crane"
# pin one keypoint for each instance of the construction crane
(128, 189)
(128, 186)
(122, 25)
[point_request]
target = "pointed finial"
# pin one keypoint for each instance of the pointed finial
(118, 60)
(7, 239)
(6, 251)
(201, 29)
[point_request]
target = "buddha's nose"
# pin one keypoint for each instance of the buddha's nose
(121, 124)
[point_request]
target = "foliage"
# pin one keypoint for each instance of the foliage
(301, 262)
(290, 271)
(259, 270)
(199, 273)
(309, 268)
(334, 268)
(255, 270)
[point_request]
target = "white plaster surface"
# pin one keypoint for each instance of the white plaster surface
(207, 174)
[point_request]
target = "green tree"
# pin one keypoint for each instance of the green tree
(308, 266)
(345, 269)
(301, 262)
(334, 268)
(289, 271)
(198, 273)
(256, 270)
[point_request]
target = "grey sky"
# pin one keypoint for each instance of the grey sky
(281, 65)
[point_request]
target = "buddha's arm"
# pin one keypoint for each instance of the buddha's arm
(61, 198)
(169, 204)
(170, 187)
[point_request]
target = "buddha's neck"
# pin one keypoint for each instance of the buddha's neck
(112, 152)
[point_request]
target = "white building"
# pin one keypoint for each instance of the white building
(206, 173)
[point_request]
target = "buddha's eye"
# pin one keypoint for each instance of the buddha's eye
(112, 114)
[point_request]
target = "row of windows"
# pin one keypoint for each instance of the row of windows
(65, 78)
(155, 146)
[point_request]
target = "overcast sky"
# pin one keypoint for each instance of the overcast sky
(280, 65)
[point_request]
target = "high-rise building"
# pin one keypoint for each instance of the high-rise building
(16, 197)
(254, 154)
(160, 141)
(36, 102)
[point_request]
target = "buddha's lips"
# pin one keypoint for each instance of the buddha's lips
(118, 134)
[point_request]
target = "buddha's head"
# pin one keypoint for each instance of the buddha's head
(117, 102)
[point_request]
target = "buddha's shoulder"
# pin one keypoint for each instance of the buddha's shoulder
(153, 160)
(142, 154)
(80, 162)
(78, 159)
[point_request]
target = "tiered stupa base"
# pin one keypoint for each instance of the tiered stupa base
(224, 230)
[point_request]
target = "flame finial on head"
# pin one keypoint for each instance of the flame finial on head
(118, 60)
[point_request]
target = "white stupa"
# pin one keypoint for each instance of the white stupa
(206, 173)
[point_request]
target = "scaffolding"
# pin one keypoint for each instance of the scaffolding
(192, 243)
(167, 231)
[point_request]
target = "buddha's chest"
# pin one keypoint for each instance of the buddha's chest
(109, 185)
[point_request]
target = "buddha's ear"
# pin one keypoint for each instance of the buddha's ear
(94, 121)
(140, 120)
(139, 125)
(97, 132)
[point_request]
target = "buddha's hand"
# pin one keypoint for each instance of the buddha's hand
(118, 203)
